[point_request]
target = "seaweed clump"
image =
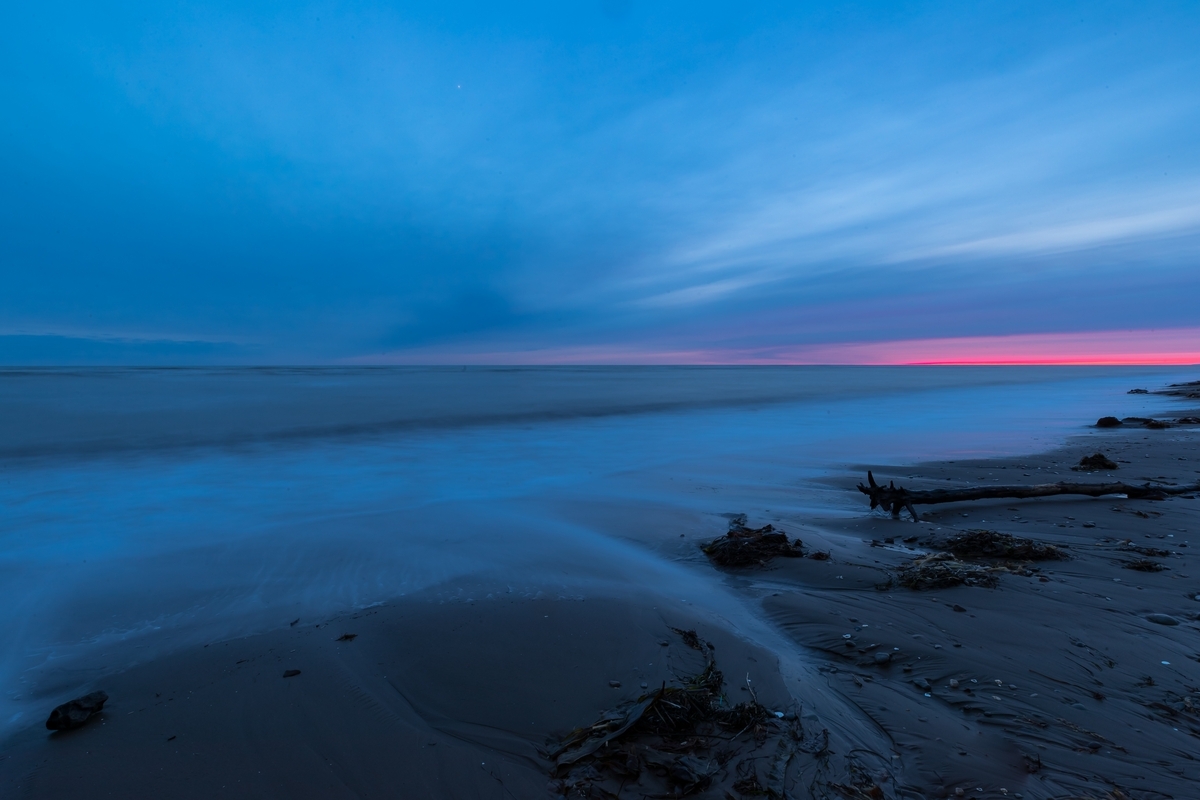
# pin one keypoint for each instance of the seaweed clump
(942, 571)
(991, 544)
(743, 547)
(682, 740)
(1144, 565)
(1094, 462)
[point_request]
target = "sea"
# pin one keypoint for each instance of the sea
(143, 510)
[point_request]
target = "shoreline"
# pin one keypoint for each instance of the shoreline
(342, 727)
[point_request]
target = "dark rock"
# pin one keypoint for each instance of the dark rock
(922, 684)
(291, 673)
(1188, 421)
(957, 607)
(76, 712)
(883, 657)
(1108, 422)
(1095, 461)
(347, 637)
(615, 684)
(1138, 391)
(1162, 619)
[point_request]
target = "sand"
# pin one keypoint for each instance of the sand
(1065, 686)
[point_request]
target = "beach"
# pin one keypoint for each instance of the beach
(448, 661)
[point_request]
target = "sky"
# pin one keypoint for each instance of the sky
(600, 182)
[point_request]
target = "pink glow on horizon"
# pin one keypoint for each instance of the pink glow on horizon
(1173, 346)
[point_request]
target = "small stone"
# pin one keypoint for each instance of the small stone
(922, 684)
(644, 684)
(1162, 619)
(76, 712)
(953, 683)
(291, 673)
(957, 607)
(615, 684)
(882, 657)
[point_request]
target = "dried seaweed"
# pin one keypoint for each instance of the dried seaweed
(1144, 565)
(678, 738)
(743, 546)
(942, 571)
(1094, 462)
(991, 544)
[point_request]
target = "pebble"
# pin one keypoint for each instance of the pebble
(953, 683)
(1162, 619)
(291, 673)
(882, 657)
(615, 684)
(957, 607)
(922, 684)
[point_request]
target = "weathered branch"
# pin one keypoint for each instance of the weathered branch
(895, 498)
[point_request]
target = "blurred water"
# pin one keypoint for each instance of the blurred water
(144, 509)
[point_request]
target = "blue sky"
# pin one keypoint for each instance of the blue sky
(289, 182)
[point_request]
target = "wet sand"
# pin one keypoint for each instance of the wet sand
(1062, 686)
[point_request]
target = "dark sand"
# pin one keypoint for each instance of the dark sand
(1063, 690)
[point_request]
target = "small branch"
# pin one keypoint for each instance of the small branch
(893, 498)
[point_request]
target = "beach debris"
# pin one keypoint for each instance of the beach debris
(742, 546)
(1146, 422)
(291, 673)
(682, 740)
(1094, 462)
(1156, 552)
(1144, 565)
(894, 498)
(1188, 421)
(1162, 619)
(346, 637)
(1138, 391)
(941, 571)
(1189, 389)
(74, 713)
(979, 543)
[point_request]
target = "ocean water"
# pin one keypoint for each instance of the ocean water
(142, 510)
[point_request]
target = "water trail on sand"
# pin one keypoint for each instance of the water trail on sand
(146, 510)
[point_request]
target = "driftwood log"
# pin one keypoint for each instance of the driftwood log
(895, 498)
